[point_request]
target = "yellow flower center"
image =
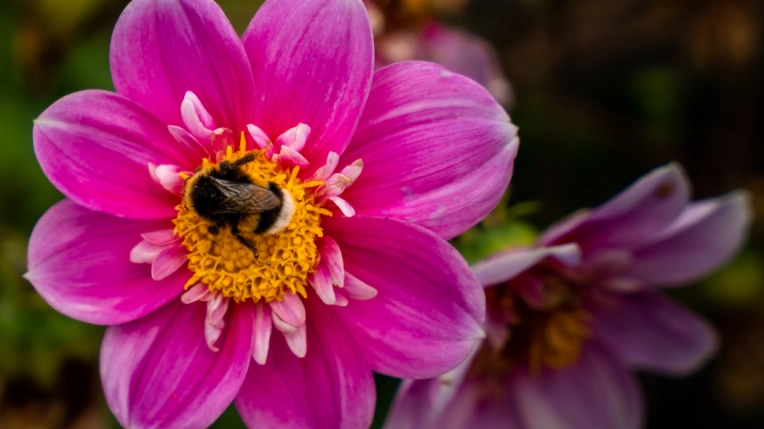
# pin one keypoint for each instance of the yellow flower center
(283, 260)
(548, 335)
(557, 343)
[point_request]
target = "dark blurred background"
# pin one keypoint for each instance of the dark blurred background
(604, 91)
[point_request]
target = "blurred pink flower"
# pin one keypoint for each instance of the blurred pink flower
(569, 318)
(456, 50)
(379, 171)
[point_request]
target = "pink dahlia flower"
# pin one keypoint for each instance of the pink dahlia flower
(367, 174)
(456, 50)
(570, 317)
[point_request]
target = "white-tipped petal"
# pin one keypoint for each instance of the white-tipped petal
(321, 280)
(341, 300)
(298, 341)
(261, 139)
(358, 289)
(290, 309)
(216, 313)
(290, 157)
(281, 325)
(261, 333)
(211, 335)
(331, 254)
(197, 292)
(196, 118)
(352, 171)
(162, 237)
(344, 206)
(167, 176)
(185, 138)
(324, 172)
(294, 138)
(145, 252)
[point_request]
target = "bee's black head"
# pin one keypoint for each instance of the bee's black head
(205, 196)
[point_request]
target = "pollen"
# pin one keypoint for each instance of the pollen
(283, 260)
(557, 343)
(548, 334)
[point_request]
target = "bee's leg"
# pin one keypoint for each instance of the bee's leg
(243, 160)
(225, 166)
(244, 241)
(215, 229)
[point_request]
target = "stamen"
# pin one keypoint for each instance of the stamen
(536, 319)
(558, 344)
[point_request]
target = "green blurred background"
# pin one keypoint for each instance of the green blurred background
(605, 90)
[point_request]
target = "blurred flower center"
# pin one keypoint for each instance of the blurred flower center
(546, 324)
(283, 259)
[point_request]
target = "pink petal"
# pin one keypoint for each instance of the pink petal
(327, 169)
(358, 289)
(441, 402)
(188, 141)
(437, 148)
(79, 261)
(345, 207)
(196, 118)
(471, 408)
(291, 157)
(220, 139)
(332, 257)
(290, 309)
(465, 54)
(504, 266)
(261, 139)
(352, 171)
(653, 332)
(337, 183)
(704, 237)
(294, 138)
(426, 317)
(639, 212)
(162, 49)
(168, 177)
(211, 335)
(321, 280)
(158, 371)
(262, 333)
(298, 341)
(197, 292)
(476, 404)
(168, 261)
(414, 403)
(596, 393)
(331, 387)
(281, 325)
(145, 252)
(161, 238)
(306, 74)
(340, 299)
(96, 147)
(216, 310)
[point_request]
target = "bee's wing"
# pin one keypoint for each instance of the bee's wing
(244, 198)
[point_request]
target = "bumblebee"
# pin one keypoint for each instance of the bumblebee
(226, 196)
